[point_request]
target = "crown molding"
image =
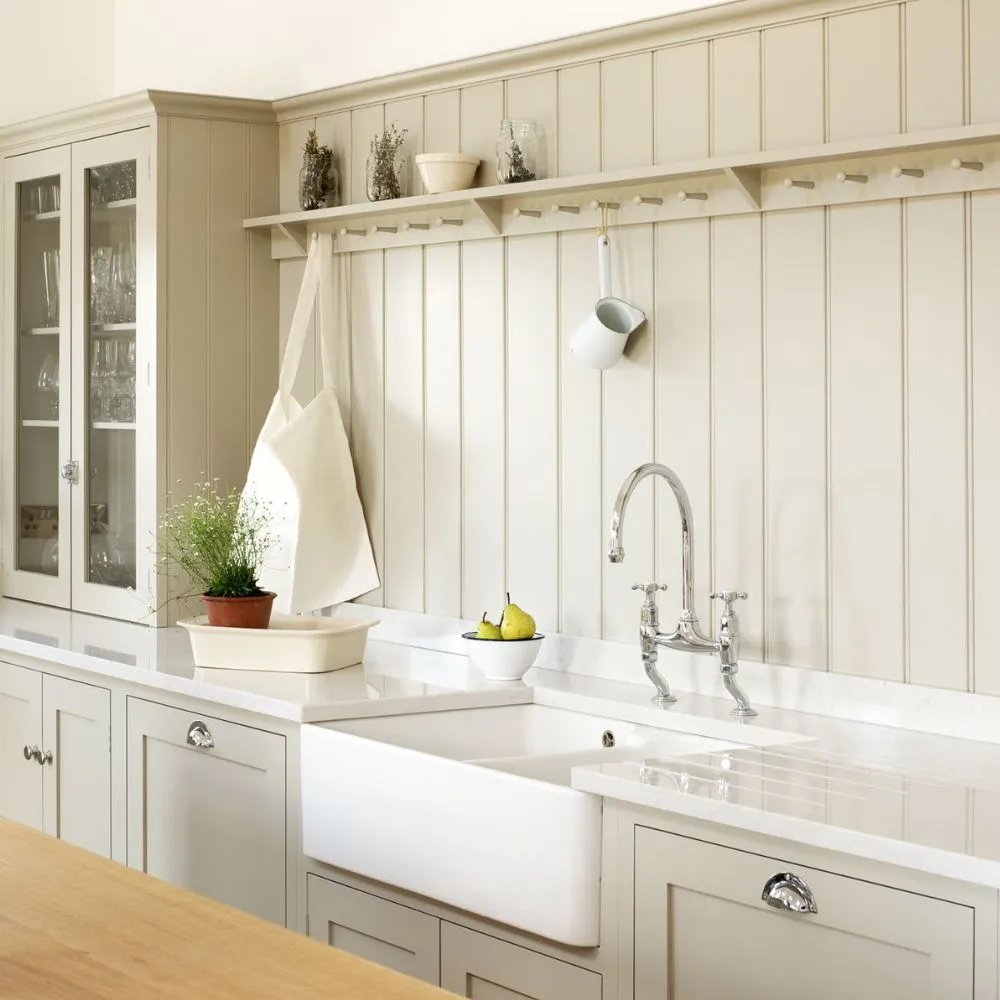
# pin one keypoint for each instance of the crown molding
(732, 17)
(130, 111)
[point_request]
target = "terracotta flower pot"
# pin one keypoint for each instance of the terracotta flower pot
(239, 612)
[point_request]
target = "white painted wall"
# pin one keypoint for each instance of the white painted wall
(54, 55)
(259, 48)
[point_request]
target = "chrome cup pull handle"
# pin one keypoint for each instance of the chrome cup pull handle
(198, 735)
(786, 891)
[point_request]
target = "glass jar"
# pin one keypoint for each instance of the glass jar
(517, 151)
(319, 181)
(385, 176)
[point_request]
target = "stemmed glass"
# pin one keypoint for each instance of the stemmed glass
(48, 383)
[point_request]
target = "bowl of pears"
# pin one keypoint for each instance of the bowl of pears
(507, 650)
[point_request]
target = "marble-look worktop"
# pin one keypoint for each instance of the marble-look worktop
(922, 800)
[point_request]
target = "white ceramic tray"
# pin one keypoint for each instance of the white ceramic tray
(291, 644)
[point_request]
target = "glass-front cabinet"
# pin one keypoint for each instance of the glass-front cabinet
(79, 426)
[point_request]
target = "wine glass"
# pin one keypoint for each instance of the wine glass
(48, 383)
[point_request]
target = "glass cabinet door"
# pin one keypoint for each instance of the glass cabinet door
(37, 348)
(108, 177)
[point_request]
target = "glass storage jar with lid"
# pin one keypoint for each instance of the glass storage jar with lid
(517, 151)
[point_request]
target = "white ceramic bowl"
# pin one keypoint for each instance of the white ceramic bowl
(443, 172)
(502, 659)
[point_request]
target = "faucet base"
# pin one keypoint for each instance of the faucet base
(662, 700)
(743, 713)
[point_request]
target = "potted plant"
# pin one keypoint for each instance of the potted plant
(218, 540)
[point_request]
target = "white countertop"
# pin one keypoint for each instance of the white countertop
(394, 678)
(924, 801)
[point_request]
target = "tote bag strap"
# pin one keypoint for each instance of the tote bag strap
(300, 322)
(326, 307)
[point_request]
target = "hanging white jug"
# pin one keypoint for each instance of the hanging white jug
(302, 468)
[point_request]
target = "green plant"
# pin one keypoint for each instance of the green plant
(218, 540)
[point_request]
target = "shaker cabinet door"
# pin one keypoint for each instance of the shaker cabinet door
(206, 806)
(76, 732)
(702, 930)
(479, 966)
(366, 925)
(20, 730)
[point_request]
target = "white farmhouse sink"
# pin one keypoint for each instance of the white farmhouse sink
(473, 808)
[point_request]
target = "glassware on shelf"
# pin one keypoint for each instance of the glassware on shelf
(50, 265)
(112, 183)
(48, 196)
(112, 380)
(48, 383)
(517, 151)
(100, 284)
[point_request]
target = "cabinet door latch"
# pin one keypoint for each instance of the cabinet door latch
(71, 472)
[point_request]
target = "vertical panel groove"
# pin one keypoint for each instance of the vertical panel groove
(827, 433)
(970, 496)
(905, 418)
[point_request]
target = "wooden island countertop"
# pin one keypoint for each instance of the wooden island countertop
(74, 926)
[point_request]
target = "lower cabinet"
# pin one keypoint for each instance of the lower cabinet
(206, 806)
(479, 966)
(704, 930)
(440, 952)
(55, 748)
(366, 925)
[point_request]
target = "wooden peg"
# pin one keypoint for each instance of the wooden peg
(645, 199)
(852, 178)
(570, 209)
(958, 164)
(692, 196)
(907, 172)
(451, 222)
(407, 226)
(528, 213)
(791, 182)
(612, 205)
(384, 229)
(354, 232)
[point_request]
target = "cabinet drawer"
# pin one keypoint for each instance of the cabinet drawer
(386, 933)
(702, 929)
(487, 968)
(206, 806)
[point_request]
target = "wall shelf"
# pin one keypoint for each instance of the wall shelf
(921, 163)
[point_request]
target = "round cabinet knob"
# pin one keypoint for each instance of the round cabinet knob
(786, 891)
(44, 757)
(31, 753)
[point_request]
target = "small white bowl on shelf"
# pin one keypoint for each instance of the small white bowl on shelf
(502, 659)
(443, 172)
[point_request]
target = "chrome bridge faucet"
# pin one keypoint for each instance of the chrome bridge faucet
(686, 636)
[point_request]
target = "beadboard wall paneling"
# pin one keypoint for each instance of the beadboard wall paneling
(483, 428)
(442, 415)
(683, 386)
(736, 105)
(936, 471)
(820, 379)
(867, 613)
(985, 455)
(682, 109)
(793, 63)
(581, 513)
(738, 420)
(864, 80)
(795, 438)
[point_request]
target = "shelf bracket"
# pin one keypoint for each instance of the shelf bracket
(295, 232)
(747, 180)
(492, 212)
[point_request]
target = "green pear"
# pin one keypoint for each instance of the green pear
(487, 630)
(516, 623)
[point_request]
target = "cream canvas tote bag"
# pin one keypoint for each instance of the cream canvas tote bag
(302, 468)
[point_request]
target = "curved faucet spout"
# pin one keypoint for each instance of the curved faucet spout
(616, 548)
